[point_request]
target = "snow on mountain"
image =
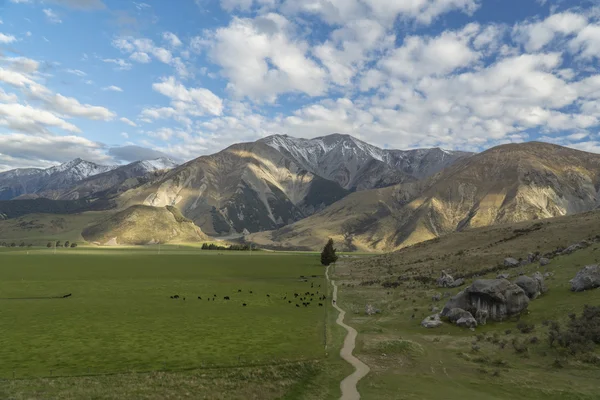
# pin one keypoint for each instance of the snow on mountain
(159, 164)
(67, 179)
(352, 162)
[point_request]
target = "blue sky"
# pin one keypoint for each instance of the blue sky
(114, 81)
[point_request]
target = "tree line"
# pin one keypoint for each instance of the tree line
(234, 247)
(58, 243)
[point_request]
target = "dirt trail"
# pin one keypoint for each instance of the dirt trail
(348, 385)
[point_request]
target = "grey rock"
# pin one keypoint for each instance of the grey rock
(586, 279)
(540, 280)
(500, 298)
(370, 310)
(531, 257)
(481, 316)
(455, 314)
(544, 261)
(458, 282)
(511, 262)
(574, 247)
(447, 294)
(435, 309)
(467, 322)
(529, 285)
(548, 274)
(433, 321)
(446, 280)
(436, 297)
(503, 276)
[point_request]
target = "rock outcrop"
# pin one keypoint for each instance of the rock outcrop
(433, 321)
(498, 297)
(533, 286)
(586, 279)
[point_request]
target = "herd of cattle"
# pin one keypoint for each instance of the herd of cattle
(299, 299)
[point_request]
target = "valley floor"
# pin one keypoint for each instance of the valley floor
(120, 333)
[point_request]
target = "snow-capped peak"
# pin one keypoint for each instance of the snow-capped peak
(159, 164)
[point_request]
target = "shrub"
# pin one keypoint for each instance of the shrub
(582, 333)
(520, 347)
(508, 331)
(524, 327)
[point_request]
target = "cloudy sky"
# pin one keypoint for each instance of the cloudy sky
(116, 80)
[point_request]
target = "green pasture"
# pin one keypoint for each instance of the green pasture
(120, 317)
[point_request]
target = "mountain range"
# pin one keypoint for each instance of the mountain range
(285, 192)
(78, 179)
(278, 180)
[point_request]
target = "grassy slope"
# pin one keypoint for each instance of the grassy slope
(411, 362)
(39, 229)
(134, 326)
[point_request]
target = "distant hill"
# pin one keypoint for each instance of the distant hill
(17, 208)
(140, 224)
(509, 183)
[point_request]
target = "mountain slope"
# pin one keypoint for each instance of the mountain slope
(138, 225)
(509, 183)
(275, 181)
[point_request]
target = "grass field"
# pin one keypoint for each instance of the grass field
(121, 319)
(410, 362)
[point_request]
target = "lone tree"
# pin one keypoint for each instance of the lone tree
(67, 243)
(328, 255)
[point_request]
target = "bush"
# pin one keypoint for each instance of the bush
(524, 327)
(582, 333)
(49, 245)
(73, 245)
(520, 347)
(508, 331)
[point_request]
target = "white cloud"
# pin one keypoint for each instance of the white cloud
(194, 101)
(587, 42)
(535, 36)
(76, 72)
(7, 97)
(128, 121)
(112, 88)
(22, 150)
(125, 135)
(72, 107)
(261, 61)
(31, 120)
(121, 64)
(172, 39)
(419, 57)
(51, 16)
(140, 57)
(7, 38)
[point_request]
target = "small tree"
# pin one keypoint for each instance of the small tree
(49, 245)
(22, 244)
(328, 255)
(58, 244)
(73, 245)
(67, 243)
(13, 244)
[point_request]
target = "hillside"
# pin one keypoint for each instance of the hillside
(138, 225)
(509, 183)
(265, 185)
(496, 360)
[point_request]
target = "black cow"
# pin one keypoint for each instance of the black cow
(226, 298)
(66, 295)
(239, 290)
(296, 294)
(244, 304)
(251, 292)
(297, 305)
(268, 295)
(320, 304)
(176, 296)
(199, 298)
(184, 298)
(289, 302)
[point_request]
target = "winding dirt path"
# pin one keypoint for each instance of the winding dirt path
(348, 385)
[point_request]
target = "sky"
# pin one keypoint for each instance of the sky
(114, 81)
